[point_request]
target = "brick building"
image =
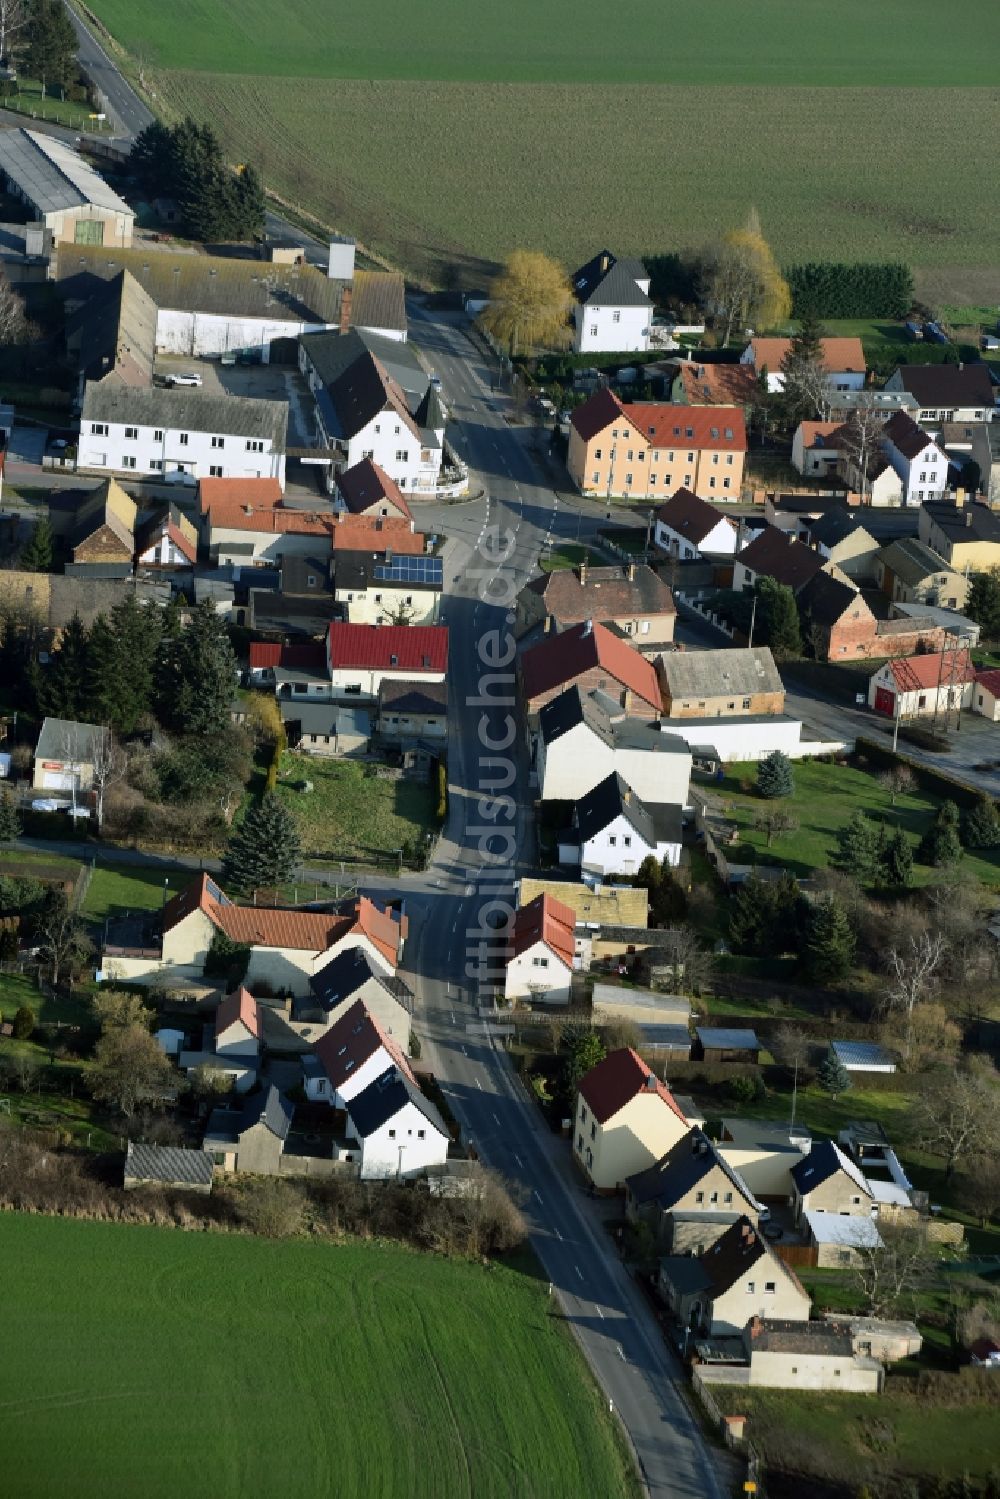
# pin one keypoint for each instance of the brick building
(593, 658)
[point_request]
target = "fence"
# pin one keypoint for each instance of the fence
(803, 1256)
(736, 1443)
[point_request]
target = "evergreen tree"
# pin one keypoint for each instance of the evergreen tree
(805, 377)
(63, 686)
(858, 847)
(667, 900)
(121, 664)
(765, 917)
(778, 618)
(774, 776)
(983, 603)
(897, 859)
(940, 845)
(832, 1076)
(583, 1050)
(50, 52)
(186, 160)
(36, 554)
(198, 674)
(10, 822)
(264, 850)
(829, 944)
(981, 824)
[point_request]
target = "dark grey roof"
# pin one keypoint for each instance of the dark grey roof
(114, 333)
(270, 1108)
(912, 560)
(413, 697)
(945, 384)
(824, 1160)
(778, 1335)
(365, 570)
(181, 409)
(167, 1163)
(833, 527)
(326, 718)
(607, 281)
(295, 572)
(826, 600)
(574, 707)
(291, 614)
(975, 522)
(342, 977)
(685, 1273)
(720, 673)
(384, 1098)
(430, 412)
(105, 571)
(731, 1037)
(613, 797)
(685, 1164)
(62, 738)
(332, 354)
(52, 176)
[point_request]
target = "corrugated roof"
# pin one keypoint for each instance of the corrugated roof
(559, 659)
(52, 176)
(181, 409)
(388, 647)
(167, 1164)
(732, 1038)
(619, 1078)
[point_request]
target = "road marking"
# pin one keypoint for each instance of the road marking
(578, 1271)
(478, 1083)
(497, 1118)
(557, 1234)
(539, 1196)
(454, 927)
(453, 1020)
(520, 1163)
(597, 1309)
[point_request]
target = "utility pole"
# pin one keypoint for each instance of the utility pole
(753, 620)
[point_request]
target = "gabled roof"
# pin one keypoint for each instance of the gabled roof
(114, 333)
(64, 739)
(906, 437)
(167, 1163)
(174, 524)
(570, 709)
(559, 659)
(721, 428)
(597, 414)
(989, 678)
(266, 654)
(367, 484)
(238, 1006)
(840, 355)
(182, 409)
(936, 669)
(851, 1230)
(716, 384)
(705, 674)
(814, 434)
(963, 523)
(342, 976)
(270, 1108)
(946, 384)
(912, 560)
(388, 647)
(739, 1249)
(691, 517)
(572, 595)
(606, 281)
(412, 697)
(822, 1339)
(826, 600)
(615, 1082)
(383, 1099)
(824, 1160)
(257, 494)
(109, 506)
(52, 176)
(544, 920)
(685, 1164)
(612, 798)
(354, 1040)
(375, 533)
(835, 525)
(776, 554)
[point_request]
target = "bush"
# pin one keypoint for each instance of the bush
(272, 1208)
(774, 776)
(24, 1023)
(864, 289)
(441, 811)
(746, 1089)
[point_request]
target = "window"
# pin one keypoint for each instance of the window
(392, 1134)
(128, 460)
(378, 426)
(616, 317)
(597, 476)
(690, 458)
(156, 464)
(583, 1111)
(747, 702)
(254, 445)
(597, 452)
(699, 1197)
(182, 438)
(922, 700)
(402, 455)
(131, 434)
(687, 481)
(421, 1134)
(593, 330)
(923, 475)
(715, 457)
(630, 455)
(99, 429)
(729, 459)
(711, 483)
(728, 1197)
(218, 442)
(158, 434)
(613, 841)
(378, 600)
(395, 431)
(725, 483)
(539, 962)
(769, 1288)
(714, 1197)
(579, 1142)
(856, 1201)
(642, 457)
(627, 841)
(628, 478)
(644, 627)
(393, 660)
(215, 470)
(750, 1287)
(593, 1131)
(652, 478)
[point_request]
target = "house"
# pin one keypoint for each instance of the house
(381, 588)
(840, 537)
(51, 600)
(113, 334)
(775, 554)
(366, 489)
(65, 755)
(104, 530)
(167, 1166)
(580, 744)
(843, 360)
(632, 598)
(594, 658)
(838, 1238)
(814, 455)
(295, 617)
(298, 670)
(238, 1025)
(350, 976)
(373, 400)
(245, 537)
(722, 683)
(688, 527)
(920, 462)
(413, 712)
(400, 1133)
(828, 1180)
(966, 534)
(361, 657)
(690, 1196)
(253, 1137)
(64, 193)
(625, 1119)
(986, 693)
(713, 385)
(539, 960)
(167, 539)
(986, 456)
(945, 392)
(912, 573)
(160, 432)
(796, 1355)
(842, 404)
(612, 830)
(352, 1054)
(881, 1339)
(863, 1056)
(593, 905)
(915, 686)
(650, 449)
(764, 1153)
(840, 625)
(724, 1044)
(613, 311)
(737, 1278)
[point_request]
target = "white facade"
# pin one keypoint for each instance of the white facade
(164, 553)
(617, 849)
(204, 335)
(539, 973)
(741, 738)
(720, 541)
(321, 1090)
(406, 1145)
(836, 379)
(365, 681)
(386, 439)
(237, 1041)
(157, 452)
(612, 330)
(919, 701)
(985, 702)
(924, 477)
(381, 601)
(228, 545)
(579, 760)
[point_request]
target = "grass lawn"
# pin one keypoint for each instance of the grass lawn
(18, 989)
(566, 554)
(206, 1363)
(350, 815)
(826, 796)
(118, 888)
(25, 97)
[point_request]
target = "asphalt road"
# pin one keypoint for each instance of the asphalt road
(130, 114)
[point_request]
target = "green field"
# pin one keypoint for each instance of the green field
(444, 137)
(122, 888)
(168, 1363)
(349, 815)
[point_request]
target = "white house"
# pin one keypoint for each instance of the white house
(843, 361)
(986, 694)
(237, 1025)
(613, 831)
(361, 657)
(916, 686)
(946, 392)
(351, 976)
(920, 462)
(689, 527)
(540, 952)
(382, 590)
(579, 745)
(180, 434)
(613, 312)
(399, 1132)
(168, 539)
(352, 1054)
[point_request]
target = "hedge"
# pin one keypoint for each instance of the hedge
(835, 289)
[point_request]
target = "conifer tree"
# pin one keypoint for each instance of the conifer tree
(829, 944)
(10, 822)
(36, 554)
(897, 859)
(264, 850)
(832, 1076)
(197, 677)
(981, 824)
(774, 776)
(63, 686)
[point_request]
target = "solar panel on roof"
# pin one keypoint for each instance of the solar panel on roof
(407, 569)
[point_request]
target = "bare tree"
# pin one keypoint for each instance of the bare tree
(897, 781)
(913, 966)
(956, 1116)
(63, 941)
(117, 1007)
(129, 1069)
(108, 765)
(775, 819)
(862, 435)
(689, 965)
(13, 323)
(978, 1188)
(897, 1268)
(14, 17)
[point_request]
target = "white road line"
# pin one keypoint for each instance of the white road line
(539, 1196)
(557, 1234)
(497, 1118)
(597, 1309)
(464, 1052)
(578, 1271)
(520, 1163)
(478, 1083)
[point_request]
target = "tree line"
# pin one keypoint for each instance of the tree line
(186, 162)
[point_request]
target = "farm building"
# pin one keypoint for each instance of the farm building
(863, 1056)
(75, 204)
(65, 753)
(167, 1166)
(922, 686)
(725, 1044)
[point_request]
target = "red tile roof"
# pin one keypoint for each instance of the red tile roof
(376, 533)
(240, 1005)
(716, 384)
(813, 430)
(666, 426)
(547, 920)
(366, 484)
(414, 648)
(268, 521)
(839, 354)
(355, 1038)
(305, 656)
(945, 669)
(622, 1076)
(257, 493)
(989, 678)
(558, 660)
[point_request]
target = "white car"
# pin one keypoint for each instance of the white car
(48, 804)
(188, 378)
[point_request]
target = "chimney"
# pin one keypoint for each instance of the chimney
(286, 1007)
(631, 572)
(345, 310)
(340, 266)
(627, 796)
(588, 629)
(583, 573)
(651, 1082)
(606, 266)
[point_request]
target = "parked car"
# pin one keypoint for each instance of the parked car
(436, 382)
(187, 378)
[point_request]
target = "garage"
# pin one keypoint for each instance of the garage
(55, 778)
(885, 701)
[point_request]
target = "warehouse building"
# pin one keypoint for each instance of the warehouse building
(74, 203)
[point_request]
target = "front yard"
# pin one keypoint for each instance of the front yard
(353, 813)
